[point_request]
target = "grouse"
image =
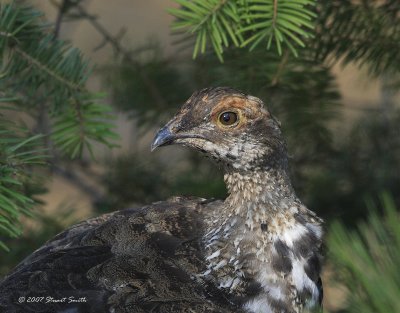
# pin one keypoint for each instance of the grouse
(258, 251)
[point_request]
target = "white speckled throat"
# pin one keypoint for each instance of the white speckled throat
(257, 235)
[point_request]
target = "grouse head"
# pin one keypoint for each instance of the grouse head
(229, 126)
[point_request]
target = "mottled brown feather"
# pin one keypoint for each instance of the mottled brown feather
(135, 260)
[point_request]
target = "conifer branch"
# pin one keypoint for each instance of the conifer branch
(243, 23)
(42, 67)
(367, 33)
(212, 22)
(366, 260)
(274, 16)
(41, 75)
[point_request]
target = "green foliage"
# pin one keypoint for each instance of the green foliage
(367, 260)
(37, 66)
(18, 153)
(215, 21)
(286, 22)
(365, 32)
(31, 56)
(82, 122)
(242, 23)
(42, 83)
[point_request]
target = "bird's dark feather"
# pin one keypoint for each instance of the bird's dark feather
(135, 260)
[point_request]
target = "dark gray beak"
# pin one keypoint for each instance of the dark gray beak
(163, 137)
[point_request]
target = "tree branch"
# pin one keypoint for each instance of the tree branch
(157, 96)
(43, 68)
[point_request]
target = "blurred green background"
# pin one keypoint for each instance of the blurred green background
(338, 103)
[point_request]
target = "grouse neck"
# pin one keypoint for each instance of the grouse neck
(268, 188)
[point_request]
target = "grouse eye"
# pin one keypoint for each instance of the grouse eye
(228, 118)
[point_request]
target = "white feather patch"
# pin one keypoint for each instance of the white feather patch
(258, 305)
(302, 281)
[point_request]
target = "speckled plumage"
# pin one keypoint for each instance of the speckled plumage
(258, 251)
